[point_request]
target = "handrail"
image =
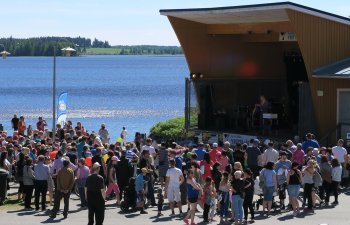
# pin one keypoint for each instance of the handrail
(329, 134)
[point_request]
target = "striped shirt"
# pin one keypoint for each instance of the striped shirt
(130, 154)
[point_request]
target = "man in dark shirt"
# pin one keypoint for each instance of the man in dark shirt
(14, 122)
(95, 195)
(98, 158)
(253, 153)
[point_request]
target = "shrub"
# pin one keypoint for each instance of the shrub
(170, 129)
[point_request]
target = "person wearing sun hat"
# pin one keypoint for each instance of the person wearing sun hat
(95, 195)
(112, 179)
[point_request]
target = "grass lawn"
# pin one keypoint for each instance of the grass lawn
(102, 51)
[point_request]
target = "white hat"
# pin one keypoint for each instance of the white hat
(96, 165)
(215, 145)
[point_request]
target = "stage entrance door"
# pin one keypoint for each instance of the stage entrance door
(343, 109)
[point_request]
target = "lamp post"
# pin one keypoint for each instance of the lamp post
(4, 53)
(54, 91)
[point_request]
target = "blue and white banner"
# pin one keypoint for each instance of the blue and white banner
(62, 109)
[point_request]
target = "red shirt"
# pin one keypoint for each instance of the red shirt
(214, 155)
(207, 168)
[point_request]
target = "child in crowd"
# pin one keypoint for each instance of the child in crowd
(206, 200)
(160, 198)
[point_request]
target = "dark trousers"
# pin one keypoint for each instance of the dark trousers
(40, 189)
(3, 186)
(28, 191)
(206, 212)
(248, 204)
(82, 196)
(325, 190)
(334, 189)
(150, 193)
(96, 211)
(58, 196)
(308, 196)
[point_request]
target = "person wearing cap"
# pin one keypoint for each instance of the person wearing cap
(253, 154)
(140, 186)
(174, 179)
(65, 183)
(270, 154)
(215, 153)
(282, 166)
(95, 195)
(294, 181)
(310, 142)
(112, 179)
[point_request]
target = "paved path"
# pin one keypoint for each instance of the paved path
(14, 215)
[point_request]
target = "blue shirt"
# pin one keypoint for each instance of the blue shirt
(139, 183)
(41, 171)
(200, 154)
(268, 177)
(310, 143)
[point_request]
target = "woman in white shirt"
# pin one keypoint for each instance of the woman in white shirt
(336, 178)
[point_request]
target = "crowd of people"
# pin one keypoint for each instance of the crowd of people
(227, 181)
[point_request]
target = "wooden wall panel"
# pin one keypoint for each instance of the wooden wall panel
(322, 42)
(229, 56)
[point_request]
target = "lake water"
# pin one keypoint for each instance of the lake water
(131, 91)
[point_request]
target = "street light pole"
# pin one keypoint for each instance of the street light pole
(54, 97)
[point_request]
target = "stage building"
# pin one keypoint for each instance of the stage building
(297, 57)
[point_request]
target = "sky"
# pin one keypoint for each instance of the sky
(129, 22)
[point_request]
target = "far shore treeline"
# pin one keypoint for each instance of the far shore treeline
(44, 46)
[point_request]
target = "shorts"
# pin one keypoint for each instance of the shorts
(293, 190)
(268, 193)
(173, 194)
(193, 200)
(141, 197)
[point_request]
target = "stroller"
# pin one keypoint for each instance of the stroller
(130, 198)
(259, 192)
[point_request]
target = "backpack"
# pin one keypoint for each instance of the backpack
(317, 179)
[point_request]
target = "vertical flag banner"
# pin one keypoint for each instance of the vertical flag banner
(62, 109)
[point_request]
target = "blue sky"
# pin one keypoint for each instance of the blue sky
(120, 22)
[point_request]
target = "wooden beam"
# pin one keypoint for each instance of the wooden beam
(244, 28)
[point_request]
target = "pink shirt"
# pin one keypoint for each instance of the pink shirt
(298, 156)
(223, 160)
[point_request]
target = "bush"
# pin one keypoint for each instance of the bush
(170, 129)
